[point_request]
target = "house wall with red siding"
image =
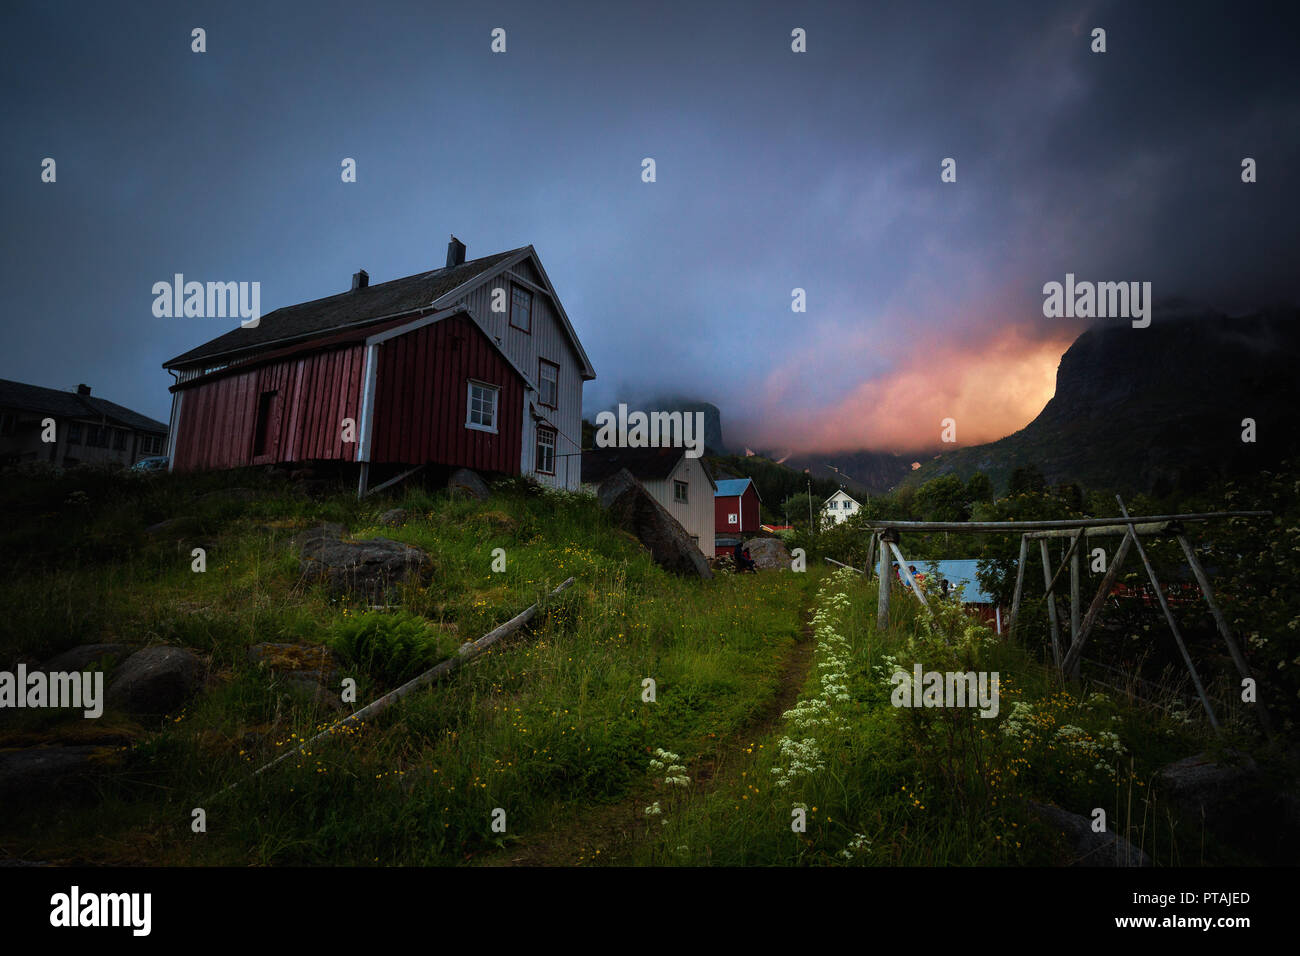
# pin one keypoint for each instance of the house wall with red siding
(421, 399)
(313, 395)
(725, 505)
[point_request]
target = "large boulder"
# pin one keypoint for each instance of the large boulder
(47, 773)
(634, 509)
(1232, 800)
(154, 680)
(769, 553)
(1088, 848)
(82, 656)
(365, 569)
(463, 481)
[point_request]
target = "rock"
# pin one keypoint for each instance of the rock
(633, 509)
(394, 517)
(314, 662)
(1089, 848)
(82, 656)
(464, 481)
(174, 527)
(1199, 786)
(326, 530)
(318, 694)
(154, 680)
(1234, 802)
(366, 569)
(769, 553)
(45, 773)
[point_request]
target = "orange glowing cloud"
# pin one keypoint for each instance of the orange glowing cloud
(990, 390)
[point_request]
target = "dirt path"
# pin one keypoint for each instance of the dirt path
(607, 833)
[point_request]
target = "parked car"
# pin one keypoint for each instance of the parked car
(151, 464)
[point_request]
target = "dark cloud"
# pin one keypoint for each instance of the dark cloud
(775, 171)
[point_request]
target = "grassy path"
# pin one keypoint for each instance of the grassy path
(608, 833)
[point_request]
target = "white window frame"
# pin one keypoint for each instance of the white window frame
(469, 405)
(681, 492)
(551, 433)
(733, 518)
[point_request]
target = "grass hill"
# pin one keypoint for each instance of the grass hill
(771, 691)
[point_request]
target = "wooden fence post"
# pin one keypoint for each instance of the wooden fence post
(886, 579)
(1070, 665)
(1051, 603)
(1221, 623)
(1173, 625)
(1020, 583)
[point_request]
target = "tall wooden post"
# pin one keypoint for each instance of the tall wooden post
(1071, 664)
(1221, 623)
(1074, 597)
(1173, 626)
(887, 537)
(1051, 602)
(1020, 584)
(871, 555)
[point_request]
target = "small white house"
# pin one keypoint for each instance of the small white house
(680, 483)
(839, 507)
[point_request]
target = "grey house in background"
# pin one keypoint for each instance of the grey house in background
(87, 429)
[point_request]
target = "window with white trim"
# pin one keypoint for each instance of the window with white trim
(482, 402)
(548, 380)
(733, 518)
(545, 458)
(680, 489)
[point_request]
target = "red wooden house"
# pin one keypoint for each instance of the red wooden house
(736, 507)
(400, 374)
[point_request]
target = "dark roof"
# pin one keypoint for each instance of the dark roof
(51, 401)
(337, 340)
(347, 308)
(647, 464)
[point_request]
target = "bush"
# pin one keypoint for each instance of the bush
(391, 648)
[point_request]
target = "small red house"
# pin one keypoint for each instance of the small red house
(736, 507)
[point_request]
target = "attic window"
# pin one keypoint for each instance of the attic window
(680, 489)
(548, 374)
(521, 309)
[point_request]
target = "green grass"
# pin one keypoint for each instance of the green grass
(553, 717)
(933, 787)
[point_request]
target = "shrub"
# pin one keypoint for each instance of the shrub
(391, 648)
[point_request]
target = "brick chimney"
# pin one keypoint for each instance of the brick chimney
(455, 253)
(360, 280)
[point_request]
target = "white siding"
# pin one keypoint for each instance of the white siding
(547, 340)
(839, 507)
(696, 515)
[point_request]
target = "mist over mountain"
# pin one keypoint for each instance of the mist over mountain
(1156, 410)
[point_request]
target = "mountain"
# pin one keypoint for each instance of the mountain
(860, 473)
(712, 417)
(1156, 410)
